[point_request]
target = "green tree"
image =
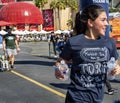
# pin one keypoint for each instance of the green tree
(40, 3)
(58, 5)
(114, 10)
(73, 4)
(70, 23)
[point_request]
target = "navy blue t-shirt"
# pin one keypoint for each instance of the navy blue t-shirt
(89, 58)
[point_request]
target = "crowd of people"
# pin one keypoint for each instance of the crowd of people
(11, 41)
(58, 41)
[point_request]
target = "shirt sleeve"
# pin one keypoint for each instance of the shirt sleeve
(67, 51)
(114, 50)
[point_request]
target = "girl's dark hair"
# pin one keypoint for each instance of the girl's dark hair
(90, 12)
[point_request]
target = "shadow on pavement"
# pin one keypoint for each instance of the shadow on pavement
(60, 85)
(35, 62)
(115, 81)
(48, 57)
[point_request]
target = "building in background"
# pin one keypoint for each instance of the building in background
(53, 20)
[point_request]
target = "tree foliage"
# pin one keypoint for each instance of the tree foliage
(40, 3)
(70, 23)
(114, 10)
(73, 4)
(59, 4)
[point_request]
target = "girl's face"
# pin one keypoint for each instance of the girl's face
(100, 24)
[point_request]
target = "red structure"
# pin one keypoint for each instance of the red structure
(6, 1)
(21, 13)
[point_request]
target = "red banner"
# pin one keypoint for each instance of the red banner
(48, 19)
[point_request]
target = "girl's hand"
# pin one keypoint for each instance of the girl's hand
(115, 71)
(58, 74)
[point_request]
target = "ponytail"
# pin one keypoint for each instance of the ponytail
(80, 26)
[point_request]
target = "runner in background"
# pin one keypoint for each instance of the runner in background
(53, 41)
(10, 45)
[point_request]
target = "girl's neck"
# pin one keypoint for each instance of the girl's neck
(90, 35)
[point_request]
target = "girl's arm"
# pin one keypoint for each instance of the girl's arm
(116, 71)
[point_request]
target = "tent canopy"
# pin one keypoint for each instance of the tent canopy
(4, 23)
(21, 13)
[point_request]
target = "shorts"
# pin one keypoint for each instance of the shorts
(11, 52)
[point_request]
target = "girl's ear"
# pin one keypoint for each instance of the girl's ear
(90, 23)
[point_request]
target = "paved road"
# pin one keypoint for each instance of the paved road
(33, 81)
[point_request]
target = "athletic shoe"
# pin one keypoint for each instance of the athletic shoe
(111, 92)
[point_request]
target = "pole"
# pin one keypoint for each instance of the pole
(103, 3)
(112, 3)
